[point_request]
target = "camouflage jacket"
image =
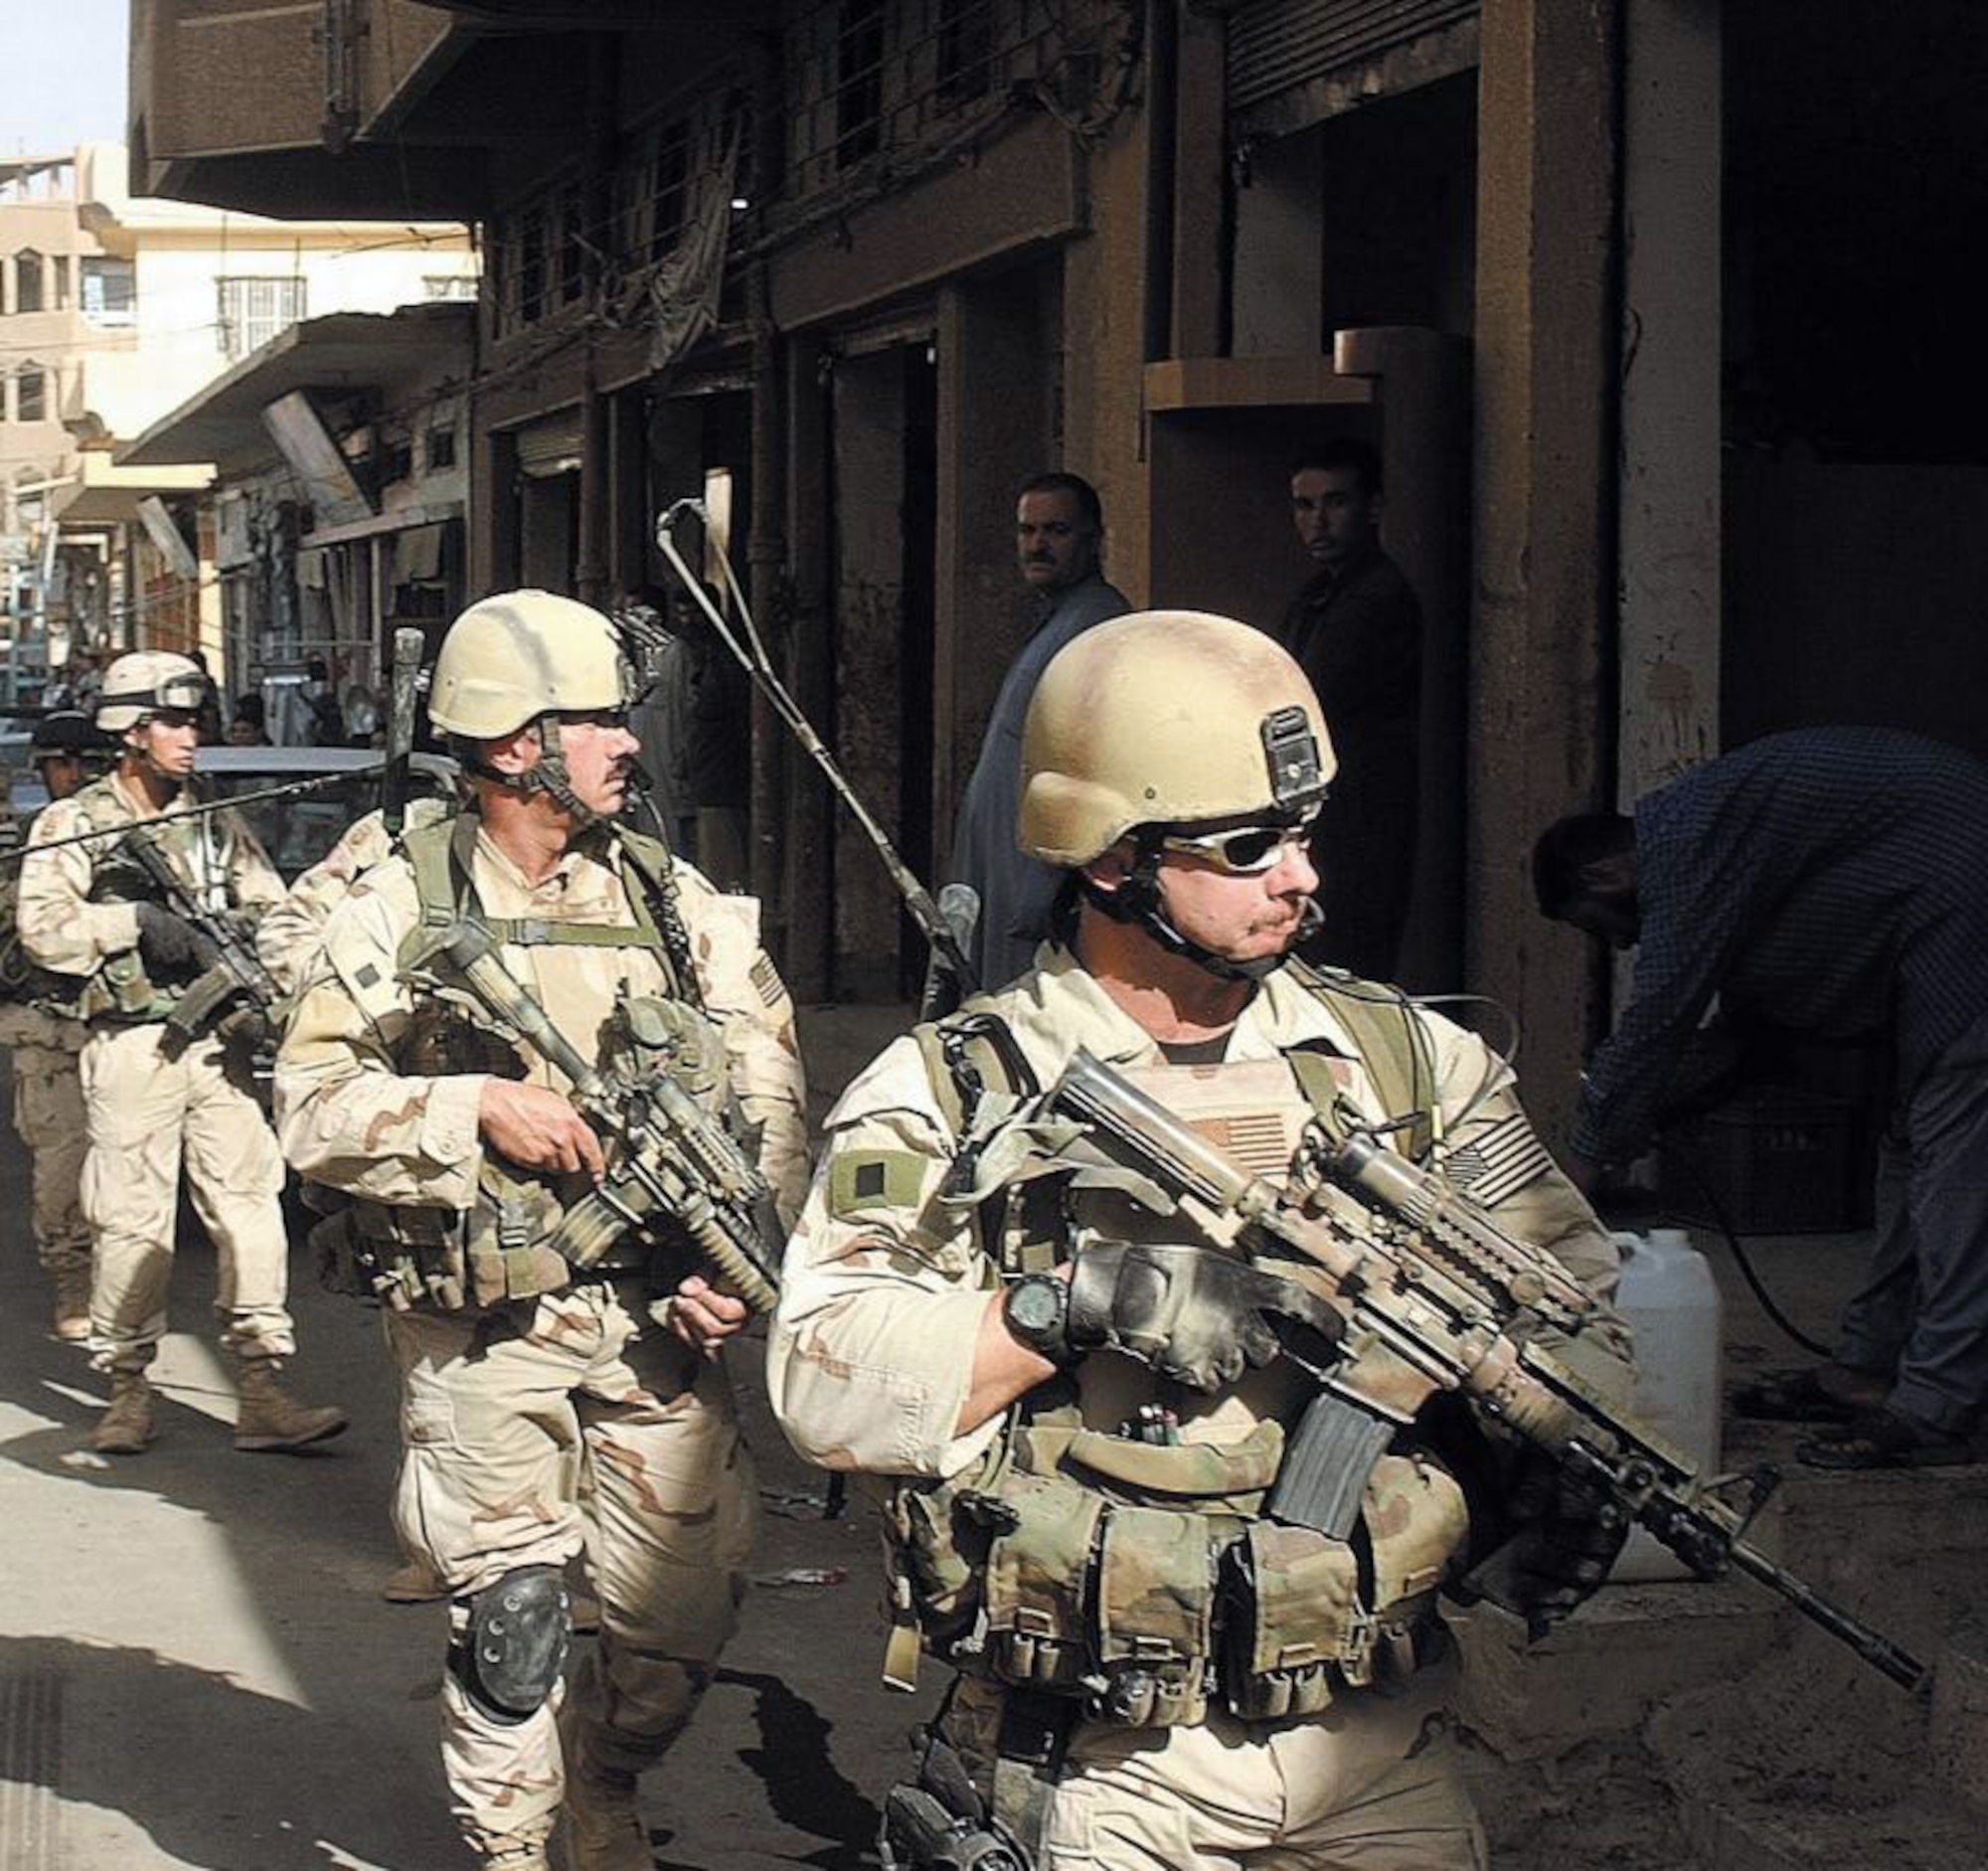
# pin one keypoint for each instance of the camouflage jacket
(353, 1118)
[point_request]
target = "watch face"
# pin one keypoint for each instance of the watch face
(1036, 1303)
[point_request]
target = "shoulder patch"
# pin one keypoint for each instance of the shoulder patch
(865, 1180)
(766, 978)
(1498, 1163)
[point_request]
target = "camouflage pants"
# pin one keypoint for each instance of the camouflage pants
(147, 1115)
(48, 1116)
(1371, 1784)
(507, 1417)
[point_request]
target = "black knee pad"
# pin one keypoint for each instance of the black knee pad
(519, 1629)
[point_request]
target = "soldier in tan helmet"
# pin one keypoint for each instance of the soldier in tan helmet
(157, 1099)
(1081, 1407)
(526, 1377)
(44, 1039)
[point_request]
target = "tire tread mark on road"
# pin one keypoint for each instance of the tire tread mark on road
(31, 1724)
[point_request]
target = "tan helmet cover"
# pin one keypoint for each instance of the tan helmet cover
(144, 681)
(511, 658)
(1165, 717)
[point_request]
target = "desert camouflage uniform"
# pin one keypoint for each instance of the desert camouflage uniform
(498, 1396)
(49, 1118)
(871, 1351)
(147, 1112)
(287, 939)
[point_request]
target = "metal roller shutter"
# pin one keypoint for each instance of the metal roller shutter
(1276, 44)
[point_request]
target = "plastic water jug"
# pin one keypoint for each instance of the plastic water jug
(1670, 1300)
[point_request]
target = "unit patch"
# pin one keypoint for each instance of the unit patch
(868, 1180)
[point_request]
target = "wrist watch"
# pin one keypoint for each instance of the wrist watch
(1035, 1311)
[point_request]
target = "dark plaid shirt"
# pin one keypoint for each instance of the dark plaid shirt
(1832, 881)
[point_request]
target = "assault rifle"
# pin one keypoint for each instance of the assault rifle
(1426, 1296)
(233, 993)
(674, 1161)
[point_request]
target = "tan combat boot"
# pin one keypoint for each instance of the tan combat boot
(271, 1420)
(73, 1304)
(126, 1426)
(600, 1824)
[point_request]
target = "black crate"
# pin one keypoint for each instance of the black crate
(1778, 1161)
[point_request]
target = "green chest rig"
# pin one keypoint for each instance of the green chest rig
(1143, 1580)
(501, 1250)
(121, 991)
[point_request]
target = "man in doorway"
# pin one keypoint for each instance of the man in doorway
(1817, 884)
(1059, 537)
(1356, 629)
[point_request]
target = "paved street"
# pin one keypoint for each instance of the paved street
(197, 1669)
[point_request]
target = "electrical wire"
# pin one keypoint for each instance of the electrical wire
(1672, 1153)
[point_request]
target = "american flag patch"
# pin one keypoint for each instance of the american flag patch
(1497, 1163)
(766, 978)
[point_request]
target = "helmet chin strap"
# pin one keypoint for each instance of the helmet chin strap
(1138, 901)
(550, 777)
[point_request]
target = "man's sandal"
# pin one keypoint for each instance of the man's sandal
(1800, 1396)
(1883, 1439)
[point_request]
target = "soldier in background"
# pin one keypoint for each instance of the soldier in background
(461, 1151)
(39, 1026)
(153, 1102)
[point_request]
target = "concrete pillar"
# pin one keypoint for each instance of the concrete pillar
(806, 961)
(1545, 472)
(1670, 522)
(869, 698)
(992, 434)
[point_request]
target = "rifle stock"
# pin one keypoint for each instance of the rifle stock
(1415, 1324)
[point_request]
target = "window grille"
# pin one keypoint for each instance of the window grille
(254, 310)
(879, 78)
(109, 291)
(31, 395)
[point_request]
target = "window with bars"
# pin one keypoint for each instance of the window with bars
(251, 311)
(109, 291)
(881, 77)
(31, 394)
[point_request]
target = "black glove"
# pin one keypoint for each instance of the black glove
(1568, 1536)
(168, 943)
(1193, 1316)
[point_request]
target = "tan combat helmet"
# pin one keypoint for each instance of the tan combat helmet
(1172, 718)
(144, 682)
(512, 658)
(522, 657)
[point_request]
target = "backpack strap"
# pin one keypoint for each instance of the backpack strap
(1392, 1046)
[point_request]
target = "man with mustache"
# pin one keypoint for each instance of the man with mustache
(527, 1378)
(1059, 533)
(1077, 1392)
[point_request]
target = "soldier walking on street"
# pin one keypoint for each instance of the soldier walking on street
(38, 1024)
(531, 1370)
(1078, 1383)
(156, 1096)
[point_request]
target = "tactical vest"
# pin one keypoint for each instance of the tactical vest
(121, 991)
(1142, 1578)
(504, 1248)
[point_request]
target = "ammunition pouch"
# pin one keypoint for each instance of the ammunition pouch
(1143, 1580)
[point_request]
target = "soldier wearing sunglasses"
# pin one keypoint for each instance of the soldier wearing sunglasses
(1078, 1397)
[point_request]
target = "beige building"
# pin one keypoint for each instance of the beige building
(117, 310)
